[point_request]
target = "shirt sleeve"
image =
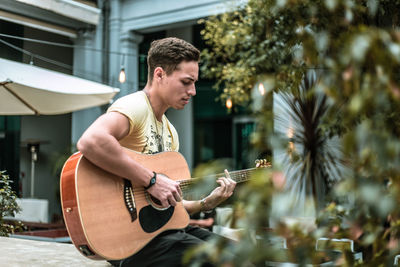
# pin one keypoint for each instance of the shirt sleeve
(133, 107)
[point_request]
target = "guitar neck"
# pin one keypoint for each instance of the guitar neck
(238, 176)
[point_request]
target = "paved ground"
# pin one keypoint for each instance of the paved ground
(15, 252)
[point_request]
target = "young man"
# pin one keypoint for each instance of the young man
(137, 121)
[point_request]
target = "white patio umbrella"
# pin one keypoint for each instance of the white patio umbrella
(30, 90)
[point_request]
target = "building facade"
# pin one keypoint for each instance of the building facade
(99, 38)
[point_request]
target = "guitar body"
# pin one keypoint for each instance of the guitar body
(107, 218)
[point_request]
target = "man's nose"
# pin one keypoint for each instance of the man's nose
(192, 90)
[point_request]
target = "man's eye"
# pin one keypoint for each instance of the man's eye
(185, 82)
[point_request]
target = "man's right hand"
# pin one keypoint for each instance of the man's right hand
(167, 191)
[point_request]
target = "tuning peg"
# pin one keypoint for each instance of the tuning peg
(262, 163)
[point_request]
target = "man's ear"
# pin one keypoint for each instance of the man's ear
(158, 73)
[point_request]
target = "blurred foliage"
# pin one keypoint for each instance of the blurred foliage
(204, 178)
(310, 158)
(8, 206)
(356, 46)
(59, 158)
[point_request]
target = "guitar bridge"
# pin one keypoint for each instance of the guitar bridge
(129, 199)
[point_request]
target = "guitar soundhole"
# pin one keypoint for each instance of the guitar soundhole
(155, 201)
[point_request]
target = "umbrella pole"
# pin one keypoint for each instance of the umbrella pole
(33, 160)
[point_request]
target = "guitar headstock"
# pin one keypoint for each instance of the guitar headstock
(262, 163)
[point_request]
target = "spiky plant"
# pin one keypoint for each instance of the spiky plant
(311, 159)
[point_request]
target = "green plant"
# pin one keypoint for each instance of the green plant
(356, 44)
(8, 205)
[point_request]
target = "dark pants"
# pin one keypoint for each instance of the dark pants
(168, 248)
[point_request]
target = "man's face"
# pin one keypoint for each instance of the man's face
(179, 86)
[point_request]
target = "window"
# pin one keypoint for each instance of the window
(9, 147)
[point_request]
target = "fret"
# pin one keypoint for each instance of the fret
(237, 176)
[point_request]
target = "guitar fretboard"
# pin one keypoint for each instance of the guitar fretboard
(237, 176)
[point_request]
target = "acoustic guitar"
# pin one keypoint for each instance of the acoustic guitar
(108, 218)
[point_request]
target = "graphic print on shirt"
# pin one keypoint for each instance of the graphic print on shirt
(154, 142)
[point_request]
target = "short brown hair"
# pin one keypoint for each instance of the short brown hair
(168, 53)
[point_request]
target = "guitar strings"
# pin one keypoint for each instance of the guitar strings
(186, 184)
(237, 176)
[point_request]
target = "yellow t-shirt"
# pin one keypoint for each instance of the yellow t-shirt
(146, 134)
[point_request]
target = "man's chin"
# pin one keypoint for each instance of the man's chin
(180, 106)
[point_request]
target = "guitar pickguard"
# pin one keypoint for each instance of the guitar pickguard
(152, 219)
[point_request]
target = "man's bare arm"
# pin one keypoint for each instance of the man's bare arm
(100, 145)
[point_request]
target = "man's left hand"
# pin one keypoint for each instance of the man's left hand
(221, 193)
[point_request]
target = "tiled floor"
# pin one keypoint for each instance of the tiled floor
(15, 252)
